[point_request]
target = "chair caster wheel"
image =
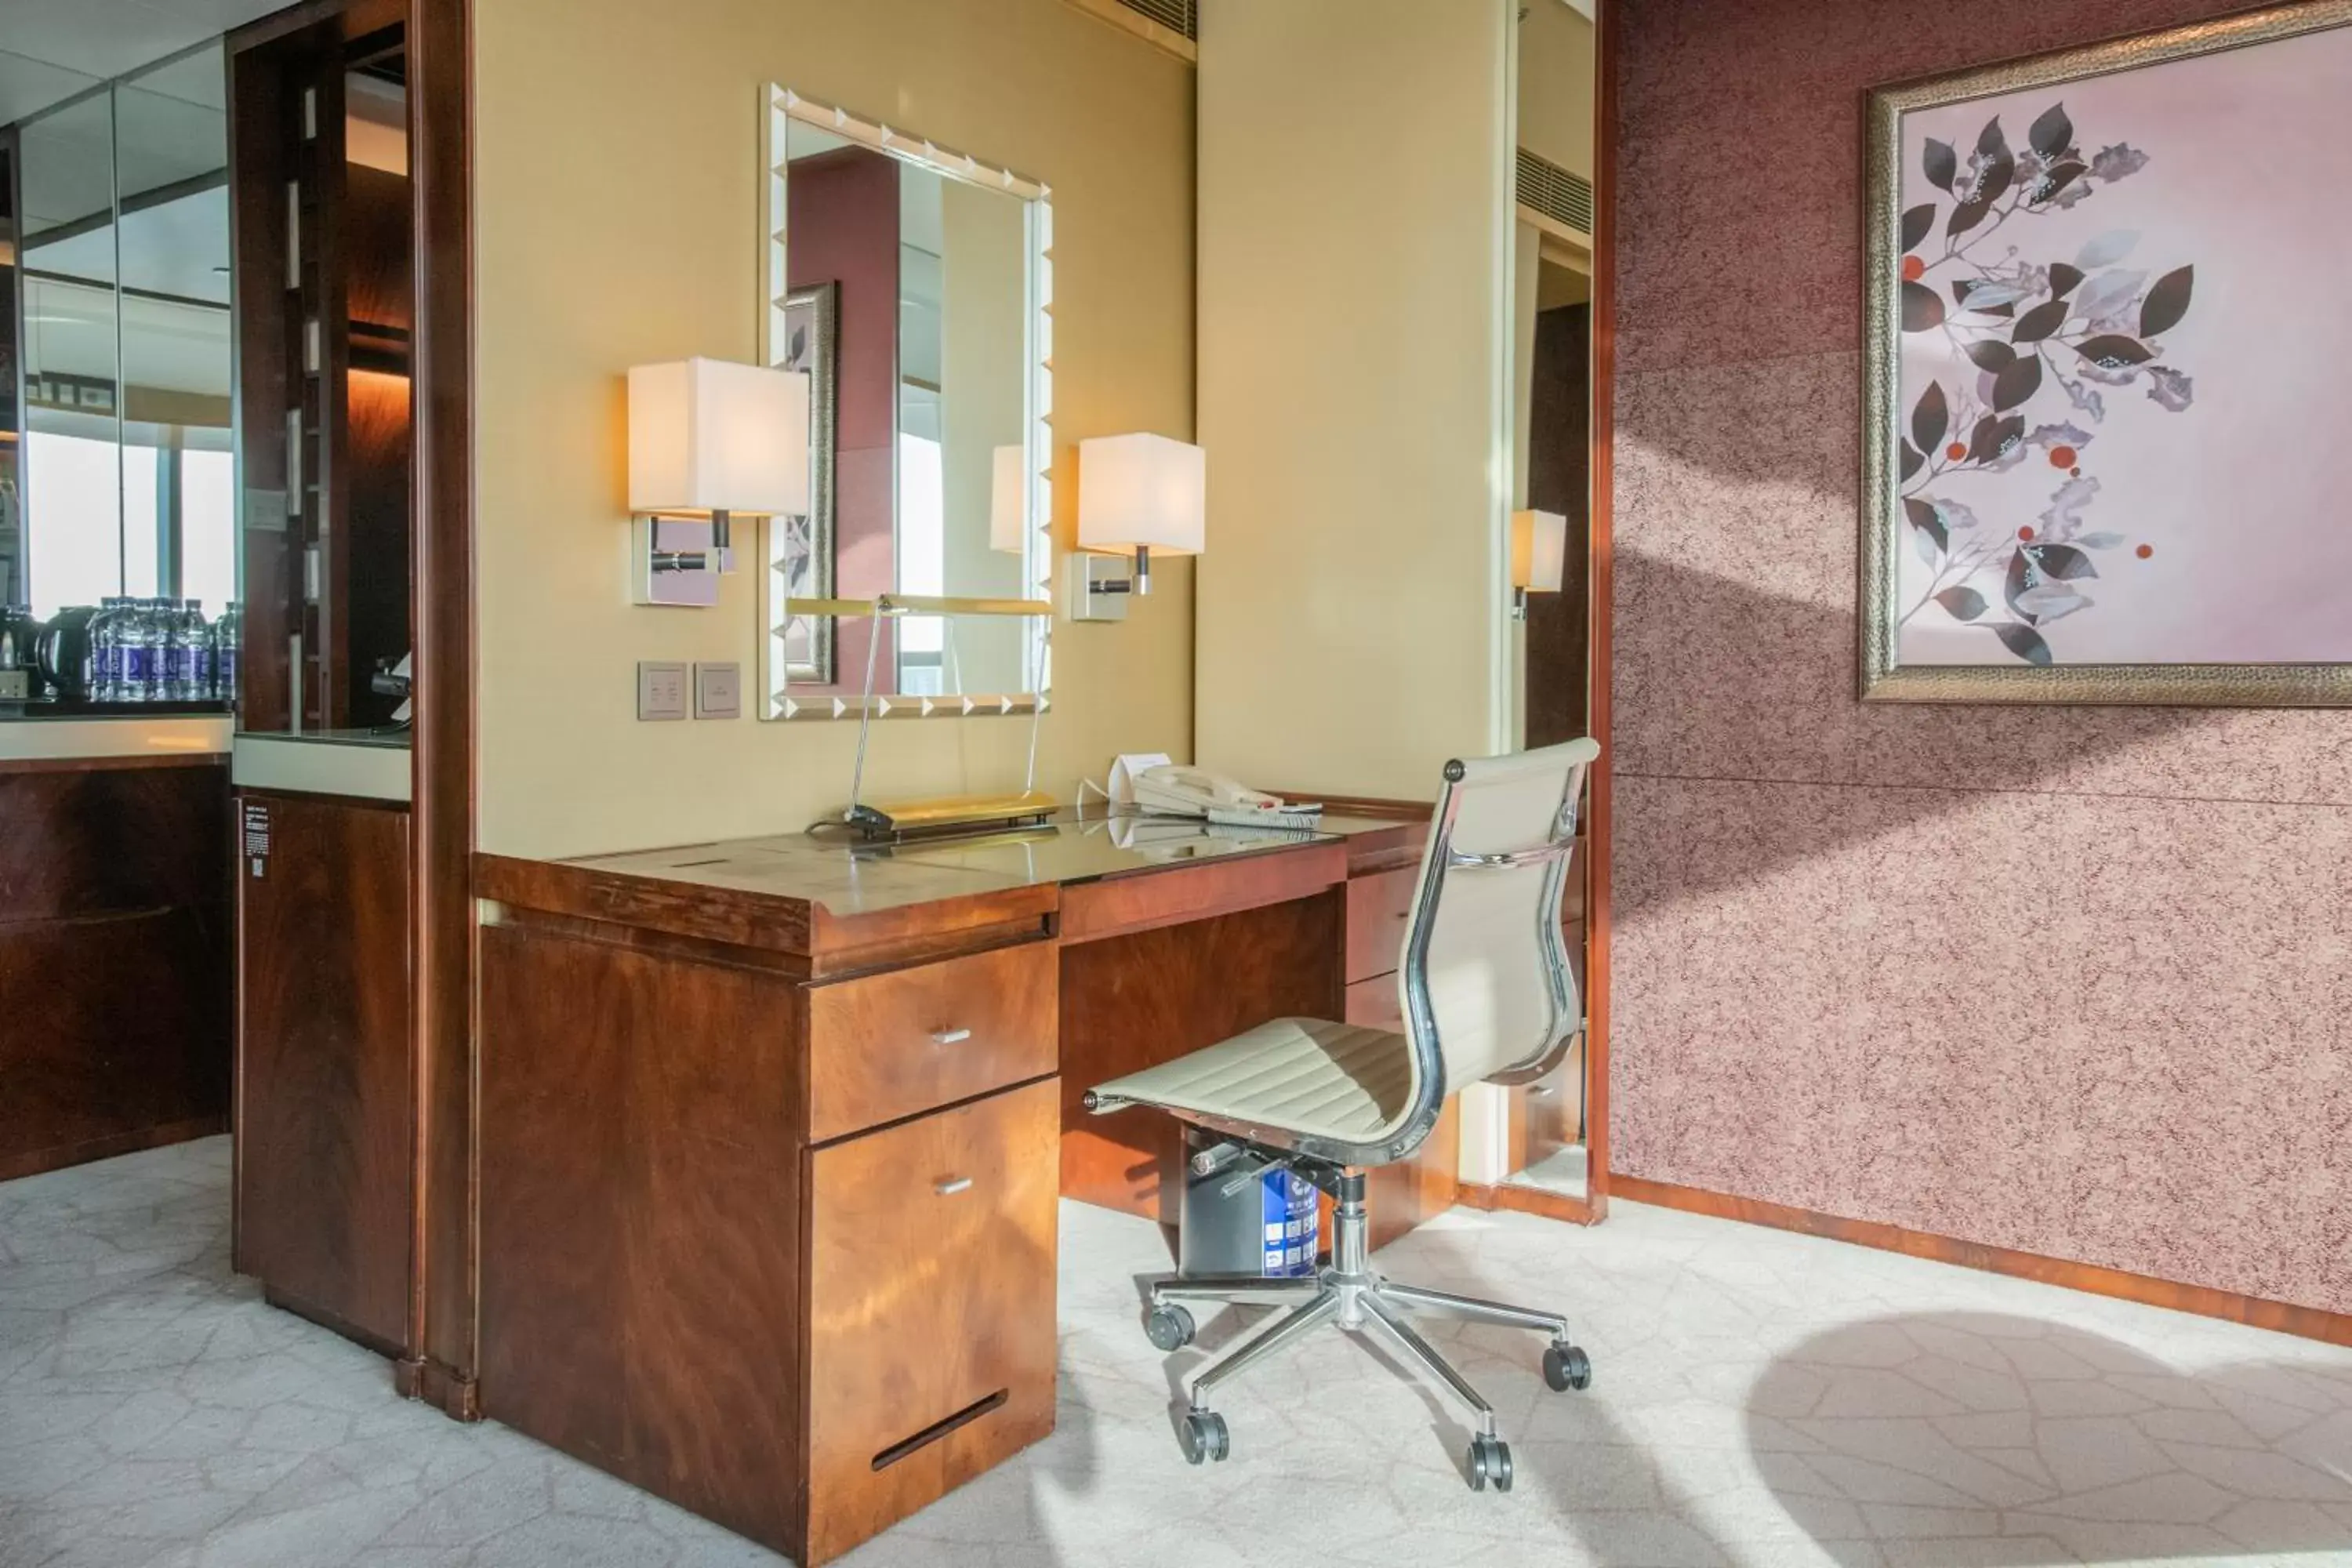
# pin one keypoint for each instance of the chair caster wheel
(1169, 1326)
(1204, 1436)
(1567, 1367)
(1490, 1460)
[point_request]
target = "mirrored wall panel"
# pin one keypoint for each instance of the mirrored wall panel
(912, 285)
(1548, 1125)
(117, 500)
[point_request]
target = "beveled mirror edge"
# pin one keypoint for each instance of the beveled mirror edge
(779, 105)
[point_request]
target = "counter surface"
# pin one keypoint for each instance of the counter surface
(64, 740)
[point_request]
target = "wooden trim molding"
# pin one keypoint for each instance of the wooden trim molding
(1514, 1197)
(109, 765)
(442, 1309)
(1602, 809)
(2281, 1317)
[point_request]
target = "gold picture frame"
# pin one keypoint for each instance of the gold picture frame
(1890, 457)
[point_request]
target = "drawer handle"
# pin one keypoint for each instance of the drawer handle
(939, 1429)
(950, 1036)
(952, 1185)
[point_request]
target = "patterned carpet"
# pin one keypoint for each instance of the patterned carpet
(1761, 1399)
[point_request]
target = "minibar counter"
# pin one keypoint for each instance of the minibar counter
(115, 936)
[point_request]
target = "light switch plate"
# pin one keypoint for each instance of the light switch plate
(661, 689)
(718, 690)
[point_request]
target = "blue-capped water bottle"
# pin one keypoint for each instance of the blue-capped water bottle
(199, 634)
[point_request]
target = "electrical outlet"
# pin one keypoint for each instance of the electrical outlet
(718, 690)
(661, 689)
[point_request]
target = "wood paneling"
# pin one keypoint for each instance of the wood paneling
(324, 1093)
(114, 959)
(440, 83)
(1134, 1001)
(1117, 905)
(641, 1219)
(2281, 1317)
(910, 1040)
(931, 1279)
(1379, 905)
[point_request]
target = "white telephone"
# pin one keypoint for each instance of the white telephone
(1175, 791)
(1169, 790)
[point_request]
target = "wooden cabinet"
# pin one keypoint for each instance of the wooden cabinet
(932, 1276)
(114, 957)
(325, 1116)
(777, 1249)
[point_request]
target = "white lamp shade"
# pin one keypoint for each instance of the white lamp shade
(1142, 490)
(1008, 516)
(708, 435)
(1539, 551)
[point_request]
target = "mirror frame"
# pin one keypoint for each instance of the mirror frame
(779, 106)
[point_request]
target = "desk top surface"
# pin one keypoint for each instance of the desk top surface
(845, 878)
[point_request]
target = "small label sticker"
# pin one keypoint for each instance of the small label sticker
(256, 840)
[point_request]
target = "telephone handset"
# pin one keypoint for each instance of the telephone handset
(1175, 790)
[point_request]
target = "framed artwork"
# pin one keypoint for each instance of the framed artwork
(801, 549)
(2108, 449)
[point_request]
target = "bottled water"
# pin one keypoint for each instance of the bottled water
(199, 636)
(102, 671)
(142, 653)
(226, 632)
(183, 624)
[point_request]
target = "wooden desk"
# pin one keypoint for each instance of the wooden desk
(771, 1134)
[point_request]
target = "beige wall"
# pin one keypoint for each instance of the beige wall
(617, 167)
(1556, 83)
(1354, 323)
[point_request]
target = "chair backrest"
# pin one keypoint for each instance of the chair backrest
(1484, 982)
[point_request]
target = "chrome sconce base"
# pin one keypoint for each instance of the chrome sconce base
(677, 561)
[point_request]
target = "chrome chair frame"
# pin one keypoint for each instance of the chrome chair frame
(1347, 1290)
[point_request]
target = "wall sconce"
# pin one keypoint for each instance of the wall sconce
(709, 440)
(1008, 519)
(1538, 556)
(1136, 494)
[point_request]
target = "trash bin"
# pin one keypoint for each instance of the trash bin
(1243, 1214)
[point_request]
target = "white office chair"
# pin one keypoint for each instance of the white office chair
(1488, 994)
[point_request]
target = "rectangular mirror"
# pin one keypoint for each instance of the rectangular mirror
(913, 285)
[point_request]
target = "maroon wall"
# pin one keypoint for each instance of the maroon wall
(2063, 980)
(841, 226)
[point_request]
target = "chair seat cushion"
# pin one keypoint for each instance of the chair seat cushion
(1299, 1074)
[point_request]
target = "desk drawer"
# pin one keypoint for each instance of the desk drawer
(932, 1328)
(902, 1043)
(1378, 905)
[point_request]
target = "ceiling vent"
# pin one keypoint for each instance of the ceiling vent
(1182, 17)
(1551, 190)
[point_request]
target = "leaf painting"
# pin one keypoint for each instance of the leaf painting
(2038, 341)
